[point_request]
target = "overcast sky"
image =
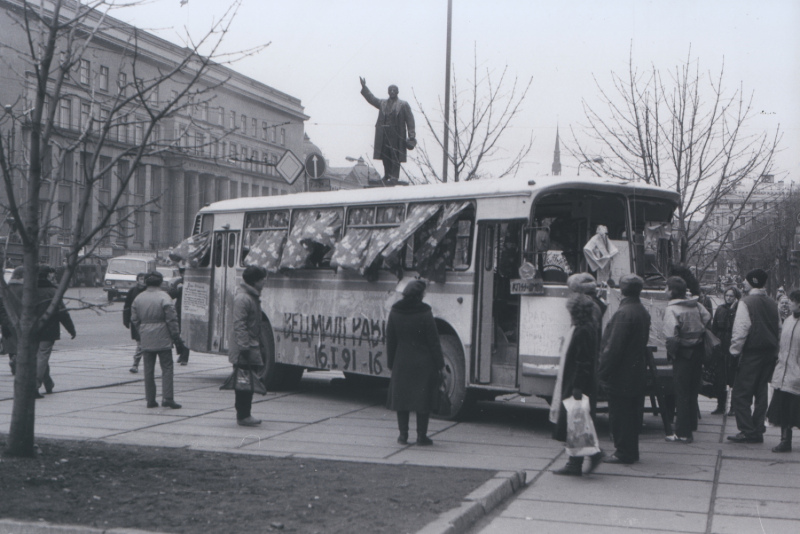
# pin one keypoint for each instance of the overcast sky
(319, 48)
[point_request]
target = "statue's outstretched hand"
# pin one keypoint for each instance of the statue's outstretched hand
(363, 81)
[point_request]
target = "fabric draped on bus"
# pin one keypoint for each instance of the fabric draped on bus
(312, 231)
(192, 249)
(267, 250)
(361, 247)
(438, 247)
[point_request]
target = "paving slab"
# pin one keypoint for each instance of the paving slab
(726, 524)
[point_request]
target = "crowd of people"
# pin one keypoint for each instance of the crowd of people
(759, 345)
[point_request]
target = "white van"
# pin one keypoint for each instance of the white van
(121, 274)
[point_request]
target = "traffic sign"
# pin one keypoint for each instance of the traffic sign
(315, 165)
(289, 166)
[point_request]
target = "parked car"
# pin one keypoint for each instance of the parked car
(171, 274)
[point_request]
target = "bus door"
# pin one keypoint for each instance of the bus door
(497, 310)
(223, 288)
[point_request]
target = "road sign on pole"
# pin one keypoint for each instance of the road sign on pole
(315, 166)
(289, 167)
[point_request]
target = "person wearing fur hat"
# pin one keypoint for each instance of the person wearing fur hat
(414, 355)
(585, 284)
(754, 341)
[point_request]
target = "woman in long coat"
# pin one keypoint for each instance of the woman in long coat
(414, 356)
(784, 410)
(722, 326)
(579, 371)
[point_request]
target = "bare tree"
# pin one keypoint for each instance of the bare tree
(679, 130)
(118, 127)
(482, 114)
(765, 241)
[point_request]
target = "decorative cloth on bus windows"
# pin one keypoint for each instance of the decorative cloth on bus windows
(361, 247)
(436, 252)
(192, 249)
(599, 253)
(310, 227)
(653, 231)
(266, 251)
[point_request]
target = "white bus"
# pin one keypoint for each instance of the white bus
(496, 253)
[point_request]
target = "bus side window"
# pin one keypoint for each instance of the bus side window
(218, 237)
(231, 250)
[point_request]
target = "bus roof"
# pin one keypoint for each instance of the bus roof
(473, 189)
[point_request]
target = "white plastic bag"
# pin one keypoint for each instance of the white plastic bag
(581, 435)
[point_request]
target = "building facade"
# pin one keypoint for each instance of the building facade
(224, 141)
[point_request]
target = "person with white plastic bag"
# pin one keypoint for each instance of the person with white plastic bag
(577, 376)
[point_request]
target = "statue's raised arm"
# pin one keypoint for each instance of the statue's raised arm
(394, 132)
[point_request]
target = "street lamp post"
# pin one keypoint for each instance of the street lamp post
(597, 160)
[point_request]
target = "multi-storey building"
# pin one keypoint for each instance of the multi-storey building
(226, 144)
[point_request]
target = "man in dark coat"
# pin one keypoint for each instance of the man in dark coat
(623, 359)
(176, 292)
(51, 330)
(414, 355)
(756, 331)
(394, 132)
(126, 319)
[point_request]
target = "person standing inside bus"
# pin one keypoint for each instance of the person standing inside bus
(126, 319)
(578, 373)
(756, 332)
(245, 351)
(685, 321)
(623, 361)
(153, 316)
(414, 355)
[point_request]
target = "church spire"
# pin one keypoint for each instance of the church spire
(556, 170)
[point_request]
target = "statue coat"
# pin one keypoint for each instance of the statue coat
(395, 124)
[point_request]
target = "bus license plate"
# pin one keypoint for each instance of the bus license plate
(527, 287)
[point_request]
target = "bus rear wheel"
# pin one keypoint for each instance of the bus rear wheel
(277, 376)
(454, 377)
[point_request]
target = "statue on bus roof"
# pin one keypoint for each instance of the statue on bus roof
(394, 131)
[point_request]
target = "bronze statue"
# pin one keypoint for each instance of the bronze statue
(394, 131)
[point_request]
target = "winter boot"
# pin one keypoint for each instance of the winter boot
(786, 440)
(422, 429)
(573, 467)
(402, 425)
(722, 400)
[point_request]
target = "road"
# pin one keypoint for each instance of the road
(99, 326)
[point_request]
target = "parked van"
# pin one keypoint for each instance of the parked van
(121, 274)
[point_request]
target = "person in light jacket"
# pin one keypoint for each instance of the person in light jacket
(414, 355)
(153, 316)
(245, 351)
(756, 330)
(784, 410)
(685, 321)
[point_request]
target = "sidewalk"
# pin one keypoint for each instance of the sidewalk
(707, 486)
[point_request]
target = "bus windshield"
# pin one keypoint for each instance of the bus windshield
(591, 231)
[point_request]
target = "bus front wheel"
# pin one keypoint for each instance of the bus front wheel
(454, 376)
(277, 376)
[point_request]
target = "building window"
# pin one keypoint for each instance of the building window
(65, 216)
(232, 123)
(103, 82)
(264, 130)
(233, 153)
(234, 190)
(244, 124)
(204, 111)
(283, 136)
(199, 143)
(85, 71)
(154, 97)
(122, 83)
(155, 135)
(138, 233)
(245, 189)
(221, 116)
(138, 132)
(255, 128)
(256, 165)
(86, 115)
(65, 113)
(272, 133)
(140, 180)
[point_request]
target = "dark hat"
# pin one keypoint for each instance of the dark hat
(44, 271)
(253, 273)
(582, 283)
(631, 284)
(757, 278)
(415, 289)
(153, 278)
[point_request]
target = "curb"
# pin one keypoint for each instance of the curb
(11, 526)
(477, 504)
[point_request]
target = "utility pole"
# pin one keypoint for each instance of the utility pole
(446, 144)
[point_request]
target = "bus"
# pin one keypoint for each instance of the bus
(496, 254)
